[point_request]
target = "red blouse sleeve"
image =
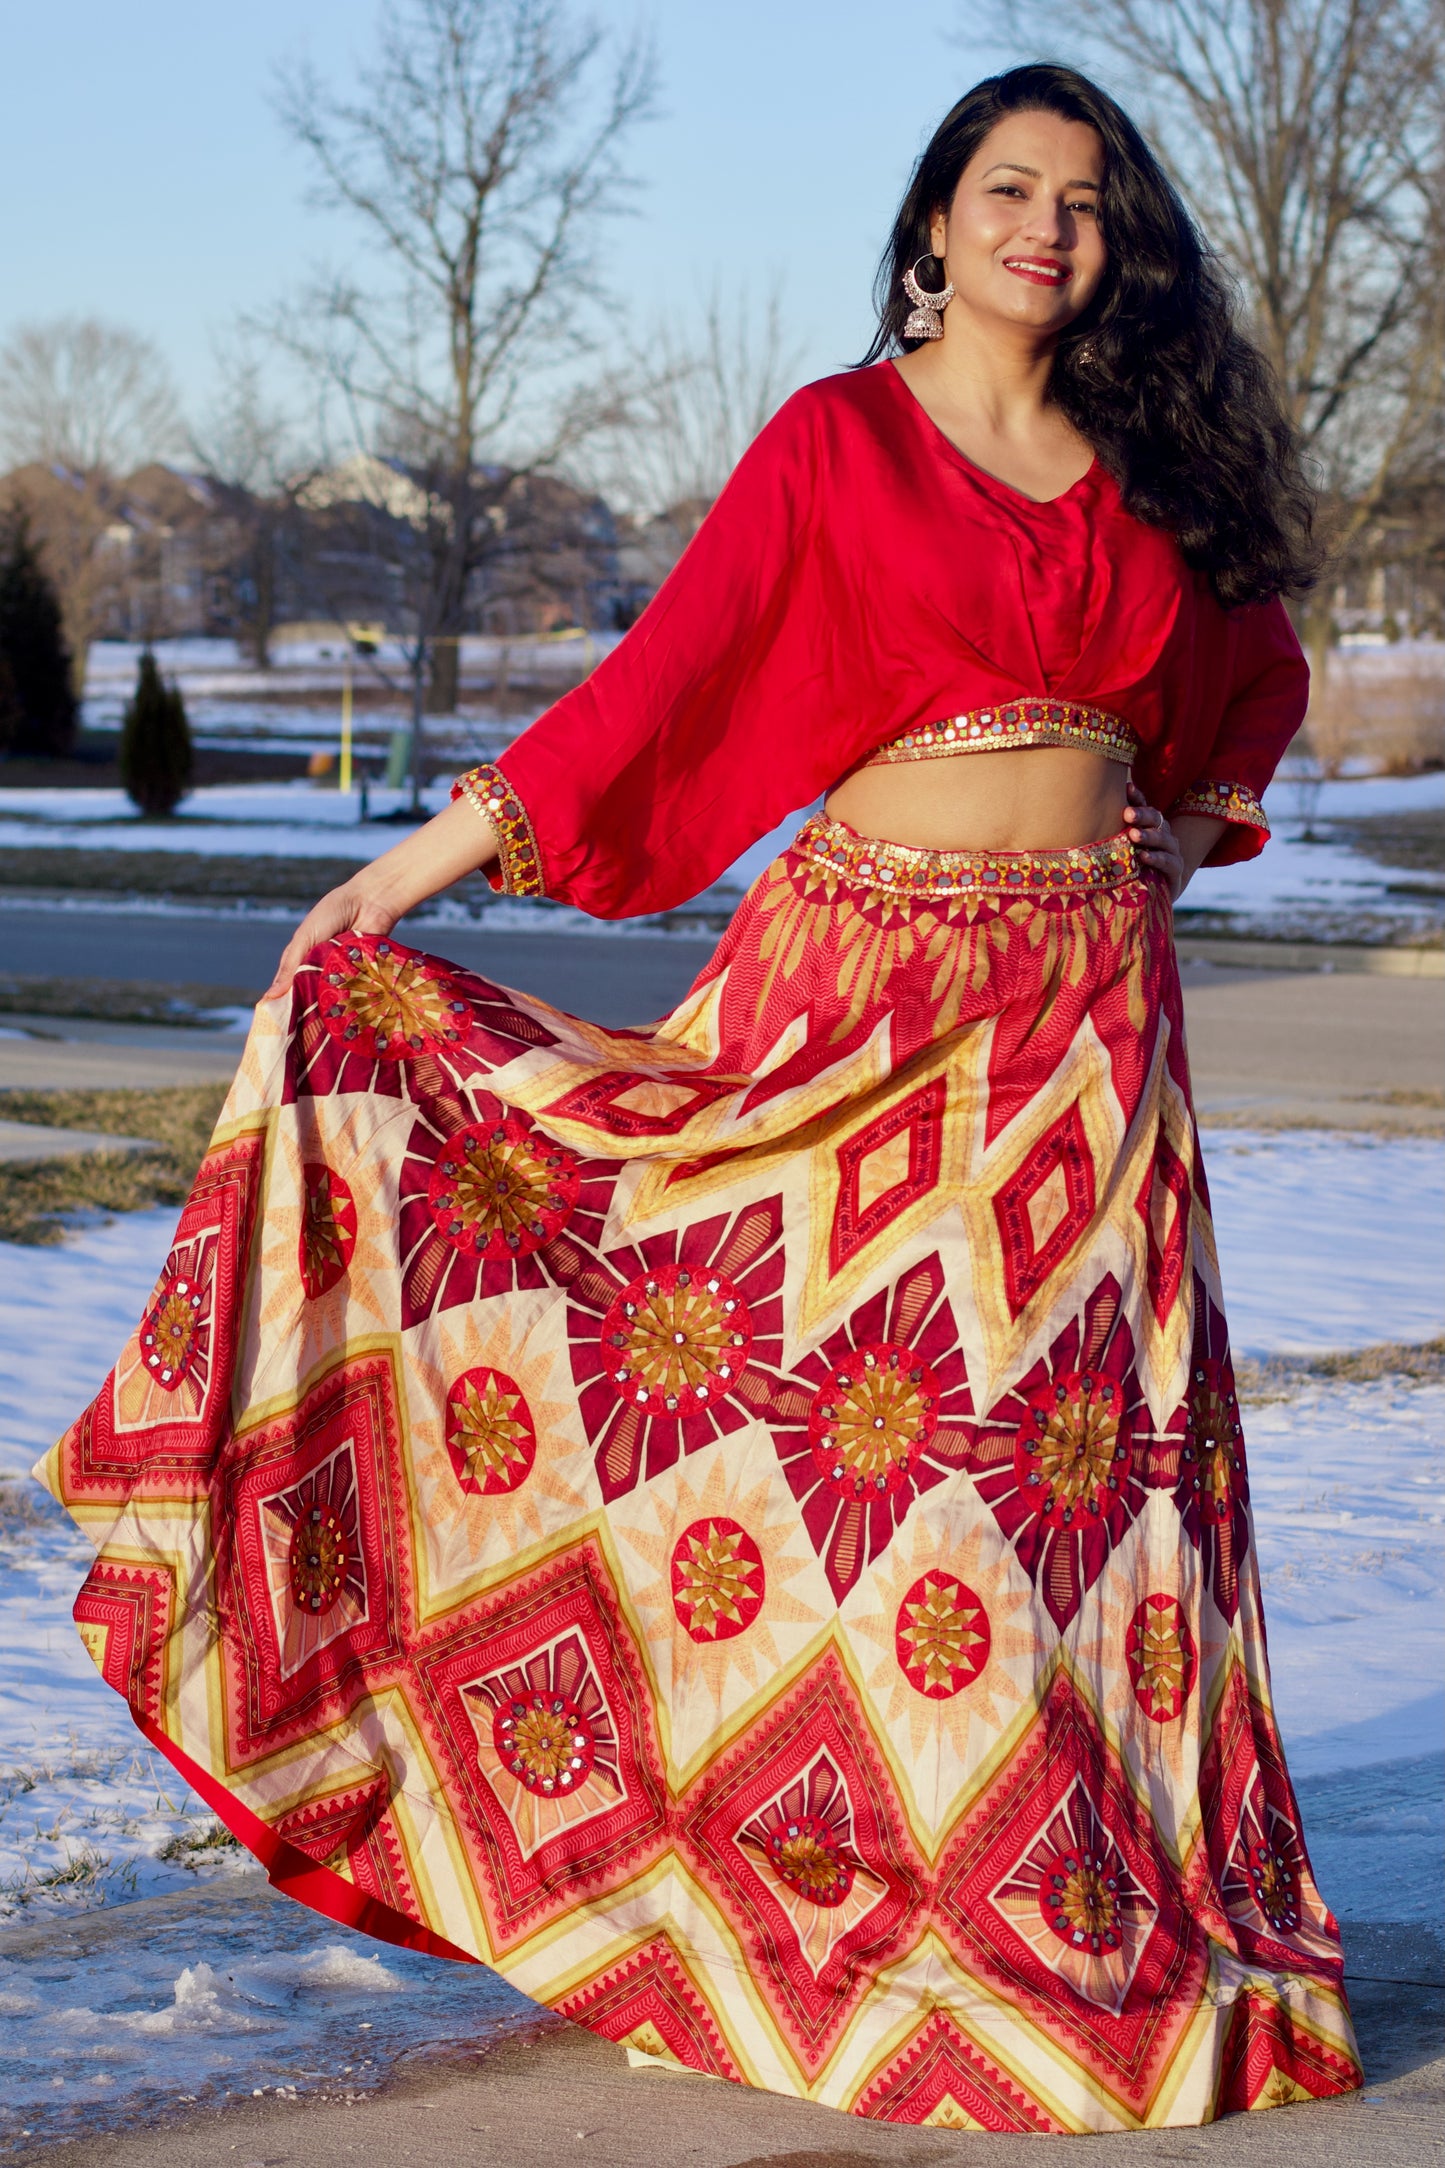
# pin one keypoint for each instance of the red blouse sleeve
(1266, 702)
(639, 788)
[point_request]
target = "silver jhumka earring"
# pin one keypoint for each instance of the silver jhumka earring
(925, 320)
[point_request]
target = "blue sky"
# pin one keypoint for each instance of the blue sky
(146, 180)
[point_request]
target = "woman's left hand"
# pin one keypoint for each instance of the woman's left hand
(1155, 841)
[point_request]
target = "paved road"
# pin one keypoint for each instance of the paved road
(1339, 1050)
(612, 978)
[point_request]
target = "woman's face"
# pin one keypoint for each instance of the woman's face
(1021, 238)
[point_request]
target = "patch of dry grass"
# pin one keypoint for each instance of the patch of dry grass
(1422, 1362)
(23, 1505)
(1413, 841)
(181, 875)
(36, 1199)
(194, 1848)
(296, 882)
(1393, 719)
(118, 1001)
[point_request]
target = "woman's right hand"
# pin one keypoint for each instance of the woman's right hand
(458, 841)
(352, 908)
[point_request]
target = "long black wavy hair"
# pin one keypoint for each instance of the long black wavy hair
(1178, 404)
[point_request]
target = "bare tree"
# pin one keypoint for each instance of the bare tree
(688, 401)
(478, 157)
(1309, 135)
(80, 393)
(249, 446)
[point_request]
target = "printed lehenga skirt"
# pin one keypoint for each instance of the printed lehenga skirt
(742, 1526)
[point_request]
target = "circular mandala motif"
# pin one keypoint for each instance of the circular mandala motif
(718, 1582)
(489, 1432)
(319, 1560)
(545, 1741)
(1213, 1456)
(328, 1228)
(502, 1188)
(1073, 1452)
(1079, 1897)
(942, 1636)
(388, 1006)
(676, 1340)
(170, 1336)
(804, 1854)
(1276, 1892)
(1159, 1650)
(869, 1423)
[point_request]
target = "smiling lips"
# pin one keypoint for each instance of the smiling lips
(1038, 270)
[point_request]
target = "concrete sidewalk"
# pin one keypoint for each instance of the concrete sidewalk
(559, 2096)
(1333, 1050)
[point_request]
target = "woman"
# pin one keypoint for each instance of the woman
(743, 1525)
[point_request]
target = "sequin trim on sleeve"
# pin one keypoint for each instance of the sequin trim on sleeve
(487, 789)
(1223, 802)
(1009, 726)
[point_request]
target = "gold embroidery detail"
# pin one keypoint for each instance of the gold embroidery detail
(1013, 724)
(487, 789)
(1224, 802)
(895, 869)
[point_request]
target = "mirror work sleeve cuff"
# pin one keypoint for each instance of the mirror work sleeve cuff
(487, 789)
(1236, 803)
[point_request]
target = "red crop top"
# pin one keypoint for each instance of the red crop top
(859, 579)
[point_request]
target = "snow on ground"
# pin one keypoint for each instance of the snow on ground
(1325, 1240)
(1301, 881)
(1293, 1209)
(245, 820)
(108, 2019)
(1294, 797)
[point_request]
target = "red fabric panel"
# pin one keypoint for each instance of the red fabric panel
(291, 1871)
(857, 577)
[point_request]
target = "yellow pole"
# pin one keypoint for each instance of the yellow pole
(346, 723)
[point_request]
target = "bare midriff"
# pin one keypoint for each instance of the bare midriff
(1029, 798)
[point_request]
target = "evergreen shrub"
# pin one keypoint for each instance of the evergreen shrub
(40, 707)
(155, 742)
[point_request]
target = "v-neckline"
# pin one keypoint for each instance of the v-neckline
(984, 474)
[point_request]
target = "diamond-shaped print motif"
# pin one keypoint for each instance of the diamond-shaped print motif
(124, 1616)
(1072, 1898)
(312, 1536)
(1200, 1456)
(1163, 1205)
(1269, 1910)
(799, 1834)
(1044, 1207)
(872, 1419)
(886, 1167)
(1270, 2062)
(669, 1342)
(652, 2004)
(636, 1104)
(1060, 1894)
(942, 2082)
(314, 1569)
(162, 1412)
(537, 1704)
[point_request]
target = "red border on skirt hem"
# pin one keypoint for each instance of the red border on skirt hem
(291, 1871)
